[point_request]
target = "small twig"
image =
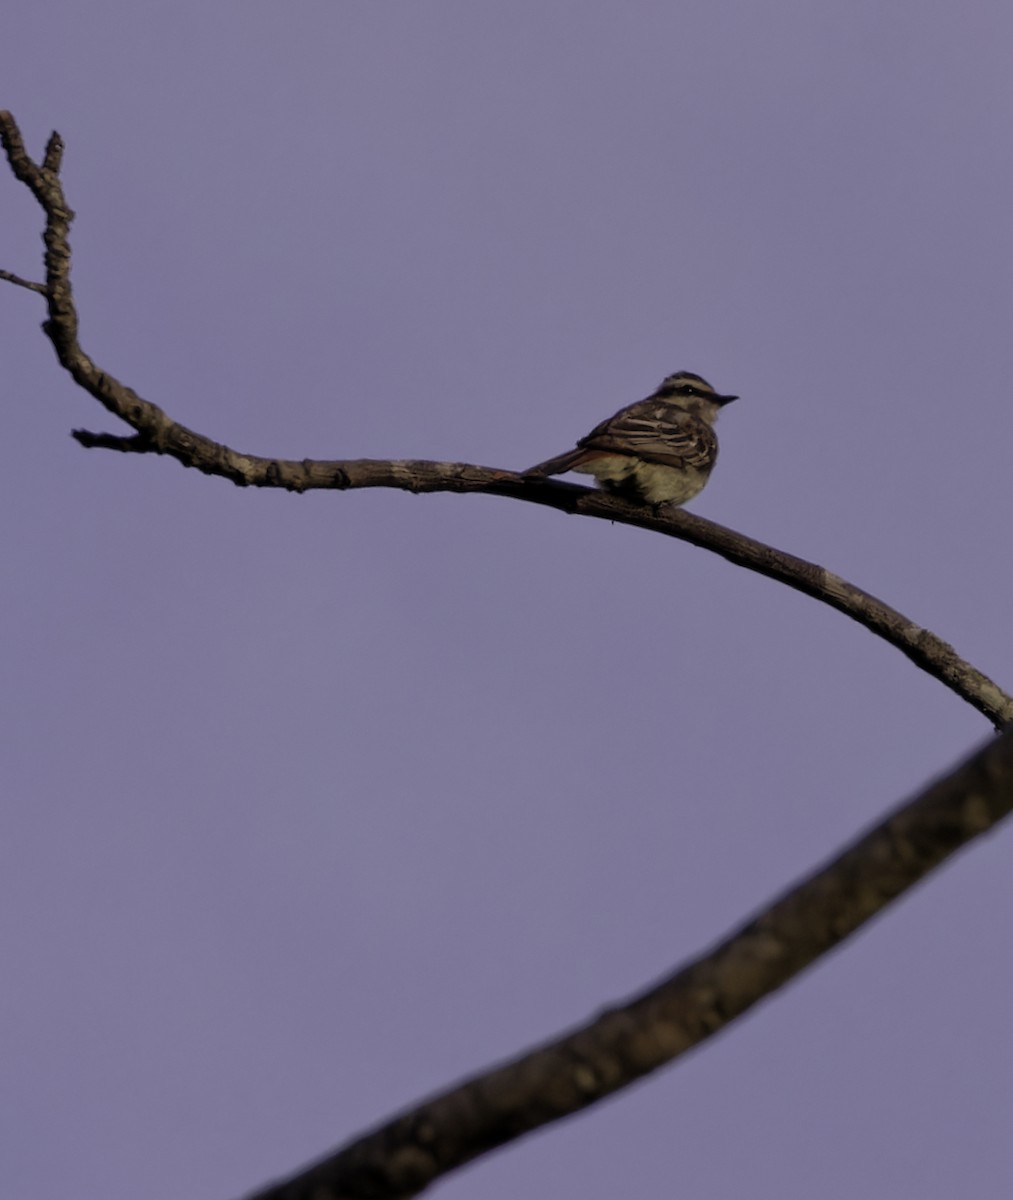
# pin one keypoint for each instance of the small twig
(111, 441)
(499, 1105)
(53, 159)
(10, 277)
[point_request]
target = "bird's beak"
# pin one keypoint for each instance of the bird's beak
(723, 400)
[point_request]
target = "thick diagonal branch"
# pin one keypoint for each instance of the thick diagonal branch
(156, 433)
(625, 1043)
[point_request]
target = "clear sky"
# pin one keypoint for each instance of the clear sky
(313, 804)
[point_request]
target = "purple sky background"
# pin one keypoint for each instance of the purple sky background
(314, 804)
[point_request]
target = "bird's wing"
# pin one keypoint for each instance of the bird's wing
(655, 431)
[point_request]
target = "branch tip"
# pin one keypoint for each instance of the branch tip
(134, 444)
(54, 153)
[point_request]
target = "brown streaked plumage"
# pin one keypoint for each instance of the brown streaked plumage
(659, 450)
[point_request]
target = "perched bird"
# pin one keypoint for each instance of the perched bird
(658, 450)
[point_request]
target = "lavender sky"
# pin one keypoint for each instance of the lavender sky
(312, 805)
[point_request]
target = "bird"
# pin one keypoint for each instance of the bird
(659, 450)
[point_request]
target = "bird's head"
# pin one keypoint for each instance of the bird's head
(694, 394)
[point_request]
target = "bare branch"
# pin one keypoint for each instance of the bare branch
(623, 1044)
(157, 433)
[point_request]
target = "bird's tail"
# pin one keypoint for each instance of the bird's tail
(553, 466)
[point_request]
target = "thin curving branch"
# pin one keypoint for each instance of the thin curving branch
(623, 1044)
(156, 433)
